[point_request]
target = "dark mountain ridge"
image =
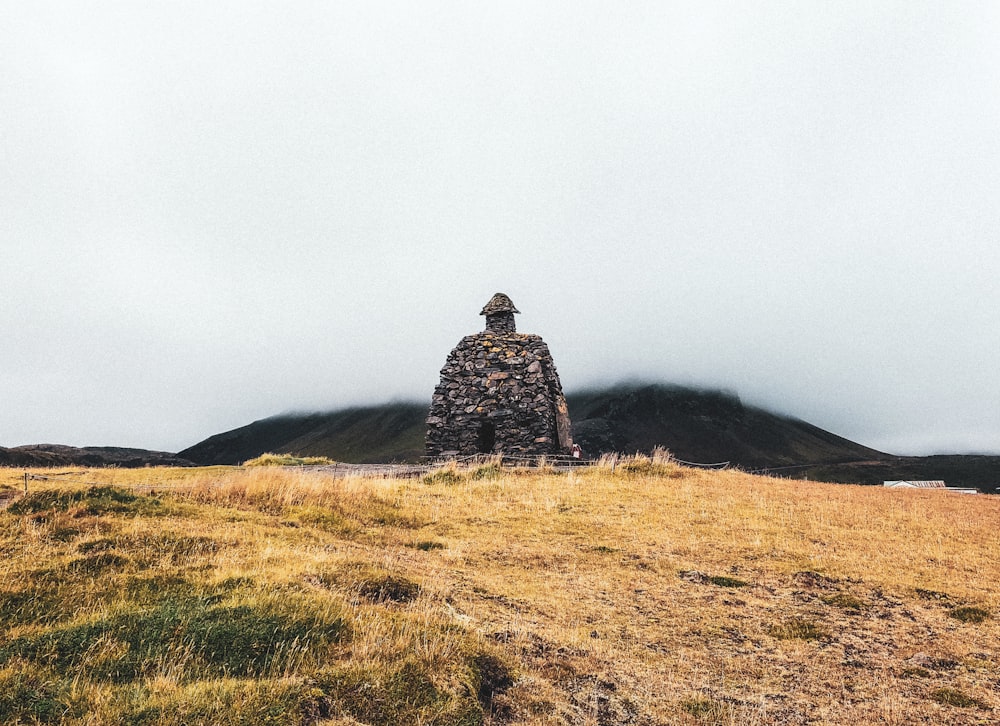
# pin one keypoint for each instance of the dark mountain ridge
(364, 434)
(702, 426)
(45, 455)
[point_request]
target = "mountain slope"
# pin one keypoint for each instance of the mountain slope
(372, 434)
(705, 426)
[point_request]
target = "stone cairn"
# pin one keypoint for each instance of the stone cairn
(499, 393)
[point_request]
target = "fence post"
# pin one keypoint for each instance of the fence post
(25, 483)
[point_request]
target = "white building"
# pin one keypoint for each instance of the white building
(927, 484)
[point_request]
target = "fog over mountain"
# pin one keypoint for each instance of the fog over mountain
(214, 213)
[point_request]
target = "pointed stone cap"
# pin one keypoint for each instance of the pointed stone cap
(499, 303)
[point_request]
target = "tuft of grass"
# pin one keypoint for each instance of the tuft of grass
(494, 678)
(447, 475)
(954, 697)
(724, 581)
(270, 459)
(706, 709)
(373, 583)
(37, 604)
(969, 614)
(798, 628)
(95, 564)
(660, 464)
(388, 588)
(493, 470)
(845, 601)
(427, 545)
(152, 589)
(640, 465)
(701, 578)
(65, 534)
(401, 693)
(604, 550)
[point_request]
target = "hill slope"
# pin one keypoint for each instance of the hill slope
(702, 426)
(372, 434)
(644, 595)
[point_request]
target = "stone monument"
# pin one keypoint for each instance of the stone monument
(499, 393)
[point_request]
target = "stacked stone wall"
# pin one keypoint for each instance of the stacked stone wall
(499, 393)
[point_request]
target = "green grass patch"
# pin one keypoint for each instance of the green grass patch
(151, 589)
(350, 523)
(426, 545)
(411, 691)
(969, 614)
(46, 597)
(94, 501)
(33, 694)
(152, 546)
(845, 601)
(36, 604)
(233, 640)
(954, 697)
(487, 471)
(705, 709)
(370, 582)
(382, 513)
(65, 534)
(724, 581)
(388, 588)
(798, 628)
(447, 476)
(603, 550)
(97, 564)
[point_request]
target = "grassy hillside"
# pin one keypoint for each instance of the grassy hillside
(647, 594)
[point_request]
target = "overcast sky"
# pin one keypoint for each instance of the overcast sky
(213, 212)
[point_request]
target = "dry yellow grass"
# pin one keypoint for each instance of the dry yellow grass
(650, 594)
